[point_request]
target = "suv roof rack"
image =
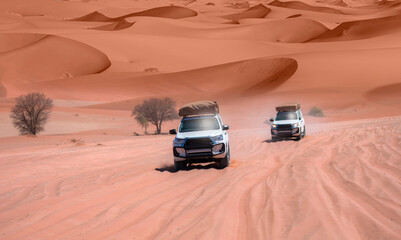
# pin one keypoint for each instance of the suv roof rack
(199, 115)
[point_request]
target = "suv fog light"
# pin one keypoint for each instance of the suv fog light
(218, 148)
(180, 151)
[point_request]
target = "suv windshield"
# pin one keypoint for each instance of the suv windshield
(200, 124)
(286, 116)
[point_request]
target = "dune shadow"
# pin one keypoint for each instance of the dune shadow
(170, 167)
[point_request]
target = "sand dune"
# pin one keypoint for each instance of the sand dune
(284, 30)
(118, 25)
(12, 22)
(381, 5)
(386, 95)
(254, 76)
(304, 6)
(173, 12)
(340, 3)
(363, 29)
(36, 58)
(258, 11)
(94, 17)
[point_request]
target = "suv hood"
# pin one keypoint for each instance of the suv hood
(286, 122)
(197, 134)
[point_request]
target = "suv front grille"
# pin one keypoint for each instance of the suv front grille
(284, 127)
(196, 143)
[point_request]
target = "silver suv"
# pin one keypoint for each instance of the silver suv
(199, 139)
(288, 123)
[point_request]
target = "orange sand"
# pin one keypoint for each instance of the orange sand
(88, 177)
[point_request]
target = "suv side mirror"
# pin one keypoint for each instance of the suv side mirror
(271, 120)
(173, 131)
(226, 127)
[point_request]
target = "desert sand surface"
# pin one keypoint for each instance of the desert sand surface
(88, 176)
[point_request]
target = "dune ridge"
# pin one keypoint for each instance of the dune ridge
(206, 82)
(304, 6)
(173, 12)
(118, 25)
(12, 41)
(258, 11)
(362, 29)
(293, 30)
(340, 3)
(94, 17)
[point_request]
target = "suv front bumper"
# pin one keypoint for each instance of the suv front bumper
(200, 155)
(295, 132)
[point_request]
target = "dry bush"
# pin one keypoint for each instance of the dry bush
(142, 121)
(316, 112)
(76, 140)
(157, 111)
(152, 69)
(30, 113)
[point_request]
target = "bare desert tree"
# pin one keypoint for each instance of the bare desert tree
(157, 111)
(143, 121)
(30, 113)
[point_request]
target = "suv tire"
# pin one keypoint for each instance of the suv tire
(180, 165)
(224, 162)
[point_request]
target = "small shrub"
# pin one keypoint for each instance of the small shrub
(316, 112)
(76, 140)
(152, 69)
(135, 134)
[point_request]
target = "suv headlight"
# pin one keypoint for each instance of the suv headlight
(274, 125)
(178, 142)
(218, 138)
(295, 125)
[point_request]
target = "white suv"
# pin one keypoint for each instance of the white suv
(288, 123)
(200, 139)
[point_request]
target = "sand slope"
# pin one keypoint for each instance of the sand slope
(303, 6)
(341, 182)
(174, 12)
(40, 58)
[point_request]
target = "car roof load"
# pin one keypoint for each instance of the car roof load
(291, 107)
(199, 108)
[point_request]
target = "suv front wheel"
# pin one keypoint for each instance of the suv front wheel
(224, 162)
(180, 165)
